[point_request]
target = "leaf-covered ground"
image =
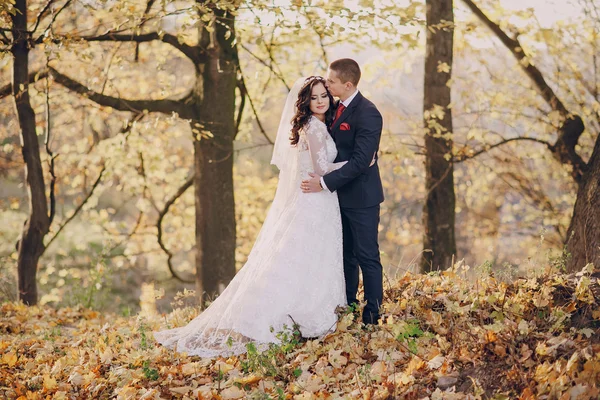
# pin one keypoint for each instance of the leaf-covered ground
(443, 337)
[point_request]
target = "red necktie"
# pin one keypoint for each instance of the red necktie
(338, 112)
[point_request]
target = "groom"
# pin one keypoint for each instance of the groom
(356, 131)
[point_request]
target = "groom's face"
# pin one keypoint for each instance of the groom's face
(335, 85)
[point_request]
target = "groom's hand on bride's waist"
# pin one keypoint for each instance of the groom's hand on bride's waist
(312, 185)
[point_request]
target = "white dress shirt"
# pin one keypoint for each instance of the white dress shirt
(346, 103)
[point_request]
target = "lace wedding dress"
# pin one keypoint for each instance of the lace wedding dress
(294, 270)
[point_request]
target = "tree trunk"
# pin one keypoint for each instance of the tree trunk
(31, 243)
(583, 236)
(215, 207)
(439, 242)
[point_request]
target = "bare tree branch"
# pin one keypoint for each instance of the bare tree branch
(519, 53)
(54, 16)
(462, 155)
(254, 146)
(108, 66)
(186, 185)
(144, 20)
(263, 62)
(572, 128)
(146, 192)
(269, 48)
(6, 90)
(323, 50)
(592, 11)
(165, 106)
(77, 209)
(52, 182)
(51, 155)
(244, 91)
(128, 235)
(128, 127)
(537, 196)
(194, 53)
(42, 14)
(243, 95)
(161, 213)
(319, 36)
(126, 130)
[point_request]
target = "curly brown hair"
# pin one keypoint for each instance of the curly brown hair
(303, 112)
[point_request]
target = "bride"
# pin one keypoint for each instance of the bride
(294, 273)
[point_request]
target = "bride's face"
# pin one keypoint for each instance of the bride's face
(319, 100)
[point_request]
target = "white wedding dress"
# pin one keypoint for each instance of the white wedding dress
(294, 270)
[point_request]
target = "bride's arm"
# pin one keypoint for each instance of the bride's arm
(316, 135)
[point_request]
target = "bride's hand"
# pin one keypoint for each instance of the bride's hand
(312, 185)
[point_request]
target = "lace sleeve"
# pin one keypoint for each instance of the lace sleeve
(316, 136)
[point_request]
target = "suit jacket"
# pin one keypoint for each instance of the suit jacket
(357, 184)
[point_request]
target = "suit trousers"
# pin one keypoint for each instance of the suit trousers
(361, 248)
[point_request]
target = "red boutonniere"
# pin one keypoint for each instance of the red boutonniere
(345, 126)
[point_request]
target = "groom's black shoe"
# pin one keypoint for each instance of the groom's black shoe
(370, 318)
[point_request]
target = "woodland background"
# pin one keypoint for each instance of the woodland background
(154, 122)
(135, 139)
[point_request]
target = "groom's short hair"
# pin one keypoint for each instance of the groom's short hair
(347, 70)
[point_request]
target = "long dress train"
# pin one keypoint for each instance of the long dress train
(294, 270)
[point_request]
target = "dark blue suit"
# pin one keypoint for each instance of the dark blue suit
(360, 193)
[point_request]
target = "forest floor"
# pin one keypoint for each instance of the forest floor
(443, 337)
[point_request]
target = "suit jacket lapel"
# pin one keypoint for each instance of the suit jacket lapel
(347, 112)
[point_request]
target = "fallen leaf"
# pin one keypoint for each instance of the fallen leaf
(436, 362)
(248, 380)
(50, 383)
(181, 389)
(9, 358)
(336, 359)
(232, 392)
